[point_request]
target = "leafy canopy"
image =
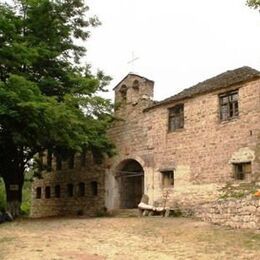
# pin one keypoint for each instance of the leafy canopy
(253, 3)
(48, 99)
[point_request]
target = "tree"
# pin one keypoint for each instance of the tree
(253, 3)
(48, 100)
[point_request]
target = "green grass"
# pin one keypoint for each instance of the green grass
(26, 205)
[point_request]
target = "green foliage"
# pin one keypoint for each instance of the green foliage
(2, 196)
(253, 3)
(26, 205)
(48, 99)
(237, 191)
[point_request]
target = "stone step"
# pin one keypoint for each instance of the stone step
(125, 213)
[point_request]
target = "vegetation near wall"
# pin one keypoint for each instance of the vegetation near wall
(2, 196)
(49, 97)
(26, 205)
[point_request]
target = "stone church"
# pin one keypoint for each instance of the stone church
(178, 151)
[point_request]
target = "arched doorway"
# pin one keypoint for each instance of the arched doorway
(130, 177)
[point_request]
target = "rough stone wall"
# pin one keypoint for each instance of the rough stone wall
(243, 213)
(88, 204)
(201, 154)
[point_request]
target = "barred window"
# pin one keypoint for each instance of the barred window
(228, 105)
(176, 117)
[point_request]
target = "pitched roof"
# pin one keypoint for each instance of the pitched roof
(224, 80)
(131, 74)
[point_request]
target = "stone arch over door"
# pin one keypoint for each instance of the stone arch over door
(130, 178)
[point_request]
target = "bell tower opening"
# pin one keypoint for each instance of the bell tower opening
(130, 177)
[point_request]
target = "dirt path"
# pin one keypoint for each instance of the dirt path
(124, 238)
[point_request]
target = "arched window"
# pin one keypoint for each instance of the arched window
(57, 191)
(136, 85)
(81, 191)
(47, 192)
(123, 91)
(38, 193)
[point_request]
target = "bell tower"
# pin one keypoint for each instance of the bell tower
(133, 91)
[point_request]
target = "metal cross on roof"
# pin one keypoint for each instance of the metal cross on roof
(132, 61)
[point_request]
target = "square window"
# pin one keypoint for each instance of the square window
(167, 178)
(241, 170)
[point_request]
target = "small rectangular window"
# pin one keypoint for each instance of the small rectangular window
(228, 105)
(70, 190)
(83, 158)
(241, 170)
(81, 191)
(47, 192)
(58, 163)
(167, 178)
(57, 191)
(49, 160)
(94, 188)
(71, 161)
(38, 193)
(97, 156)
(176, 117)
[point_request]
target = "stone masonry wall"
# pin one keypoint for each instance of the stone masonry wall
(201, 153)
(90, 203)
(243, 213)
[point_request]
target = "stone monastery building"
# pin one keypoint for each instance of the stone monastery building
(178, 151)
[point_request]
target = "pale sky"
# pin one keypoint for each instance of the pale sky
(179, 43)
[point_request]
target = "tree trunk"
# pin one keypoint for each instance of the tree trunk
(13, 187)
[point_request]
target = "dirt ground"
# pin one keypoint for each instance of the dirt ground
(124, 238)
